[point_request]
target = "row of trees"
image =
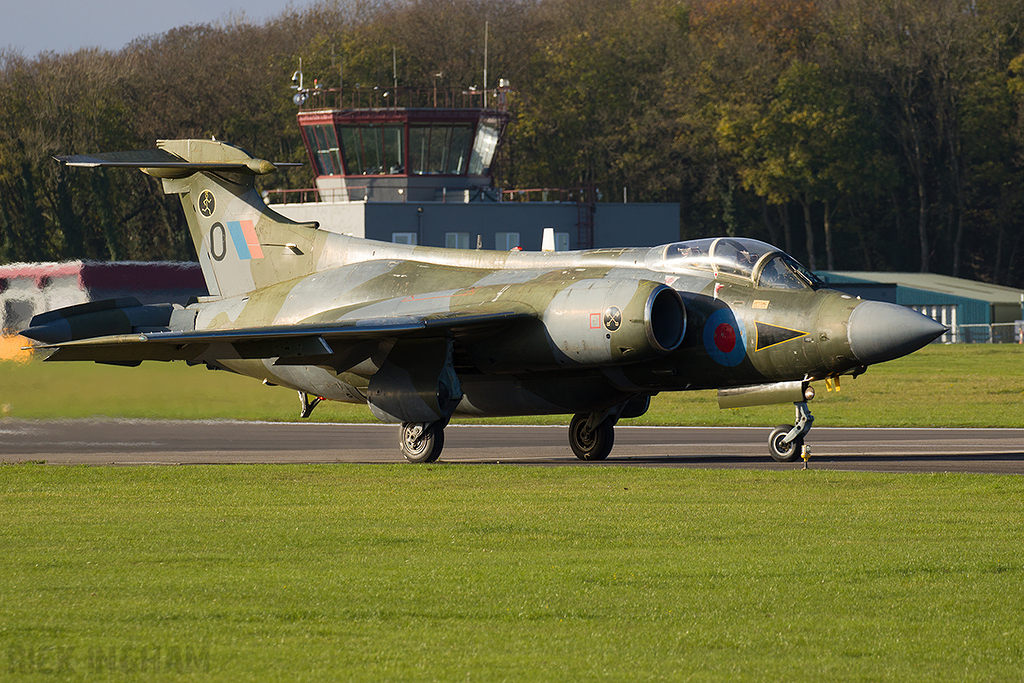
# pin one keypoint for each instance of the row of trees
(856, 134)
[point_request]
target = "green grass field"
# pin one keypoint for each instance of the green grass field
(500, 573)
(491, 573)
(954, 386)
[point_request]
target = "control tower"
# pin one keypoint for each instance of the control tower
(404, 153)
(414, 167)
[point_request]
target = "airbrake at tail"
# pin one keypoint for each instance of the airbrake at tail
(422, 335)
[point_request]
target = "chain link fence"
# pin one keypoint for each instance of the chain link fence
(997, 333)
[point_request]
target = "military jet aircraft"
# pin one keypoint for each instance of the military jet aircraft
(422, 334)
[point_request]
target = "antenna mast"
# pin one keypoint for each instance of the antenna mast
(486, 27)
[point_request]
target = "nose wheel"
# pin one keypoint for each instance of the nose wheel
(786, 441)
(780, 450)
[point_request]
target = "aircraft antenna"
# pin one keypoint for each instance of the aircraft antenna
(300, 95)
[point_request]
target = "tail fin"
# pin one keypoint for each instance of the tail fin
(242, 244)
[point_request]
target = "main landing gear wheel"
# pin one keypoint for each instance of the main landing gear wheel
(421, 443)
(591, 444)
(784, 452)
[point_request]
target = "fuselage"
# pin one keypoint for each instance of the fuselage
(749, 315)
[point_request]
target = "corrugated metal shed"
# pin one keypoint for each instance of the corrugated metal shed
(955, 302)
(981, 303)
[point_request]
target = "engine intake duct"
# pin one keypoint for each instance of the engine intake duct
(665, 319)
(609, 321)
(593, 322)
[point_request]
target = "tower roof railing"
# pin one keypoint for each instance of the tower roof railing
(403, 97)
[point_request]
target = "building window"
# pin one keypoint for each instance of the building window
(324, 144)
(484, 145)
(946, 314)
(456, 240)
(372, 149)
(403, 237)
(439, 149)
(504, 241)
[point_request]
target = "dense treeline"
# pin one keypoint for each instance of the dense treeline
(856, 134)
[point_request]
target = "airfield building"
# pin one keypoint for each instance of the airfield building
(974, 311)
(415, 167)
(27, 289)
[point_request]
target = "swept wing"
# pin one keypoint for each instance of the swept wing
(284, 342)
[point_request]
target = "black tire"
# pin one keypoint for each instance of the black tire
(784, 452)
(427, 448)
(595, 445)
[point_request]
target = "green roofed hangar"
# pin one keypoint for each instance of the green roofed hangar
(974, 311)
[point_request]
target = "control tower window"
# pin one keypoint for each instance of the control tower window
(439, 149)
(324, 144)
(394, 159)
(372, 149)
(483, 147)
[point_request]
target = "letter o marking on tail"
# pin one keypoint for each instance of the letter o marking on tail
(218, 242)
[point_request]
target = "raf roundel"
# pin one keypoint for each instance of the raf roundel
(724, 338)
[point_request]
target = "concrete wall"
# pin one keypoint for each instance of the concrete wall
(348, 218)
(636, 225)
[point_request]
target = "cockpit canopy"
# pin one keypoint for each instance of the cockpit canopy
(762, 264)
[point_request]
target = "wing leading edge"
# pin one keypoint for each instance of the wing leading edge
(290, 344)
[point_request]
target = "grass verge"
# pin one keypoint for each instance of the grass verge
(954, 386)
(374, 573)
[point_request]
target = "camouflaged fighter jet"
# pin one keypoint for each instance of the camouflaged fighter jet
(422, 335)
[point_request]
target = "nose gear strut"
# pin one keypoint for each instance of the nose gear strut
(786, 441)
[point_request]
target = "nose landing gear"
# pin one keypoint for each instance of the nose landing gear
(785, 443)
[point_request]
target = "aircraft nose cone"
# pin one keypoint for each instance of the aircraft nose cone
(879, 331)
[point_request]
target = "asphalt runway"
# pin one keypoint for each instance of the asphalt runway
(163, 442)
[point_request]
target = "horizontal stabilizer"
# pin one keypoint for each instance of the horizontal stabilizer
(158, 159)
